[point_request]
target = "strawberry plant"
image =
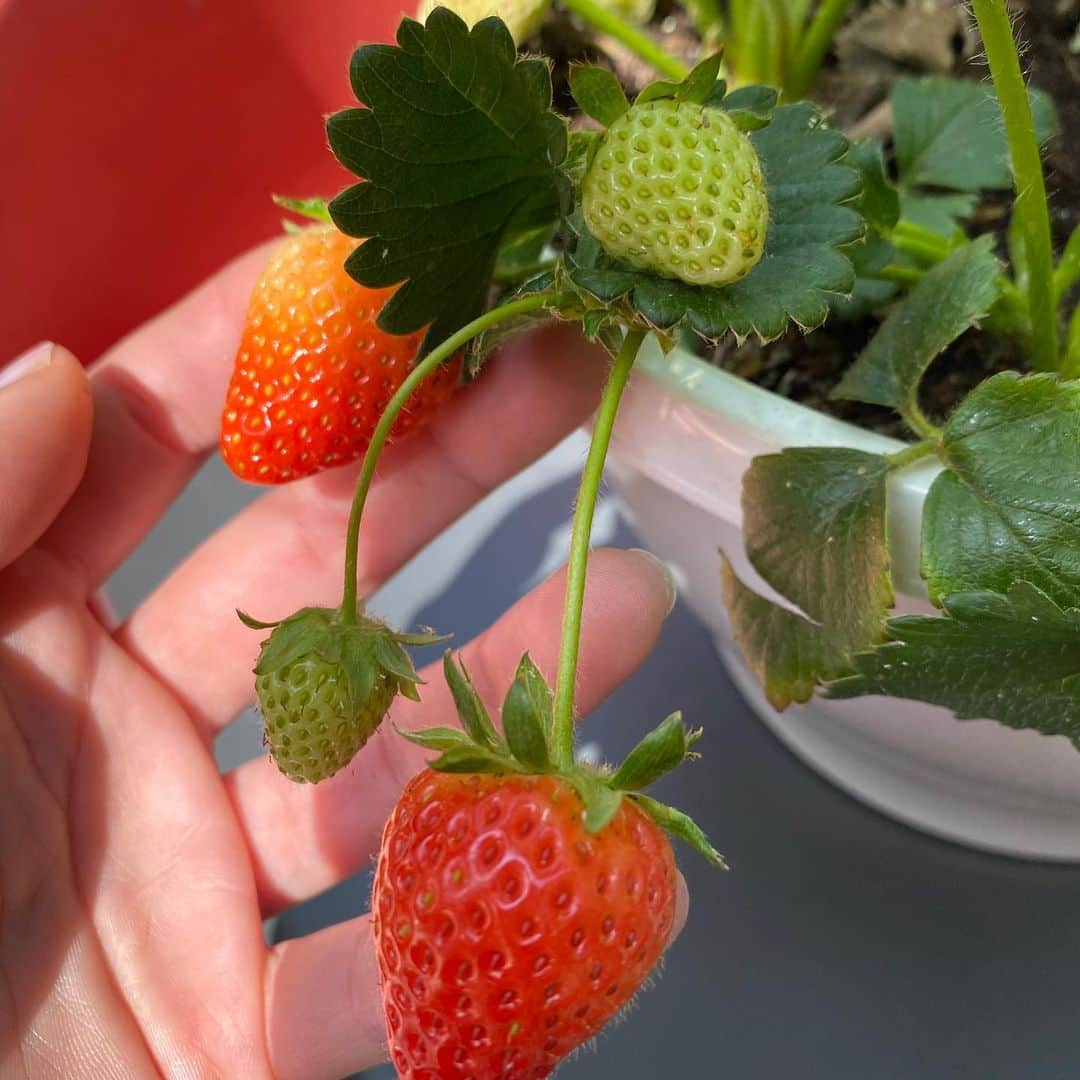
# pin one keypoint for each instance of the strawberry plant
(690, 213)
(998, 545)
(473, 210)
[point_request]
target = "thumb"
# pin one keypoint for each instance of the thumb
(45, 420)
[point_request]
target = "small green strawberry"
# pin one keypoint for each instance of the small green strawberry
(324, 687)
(522, 17)
(676, 188)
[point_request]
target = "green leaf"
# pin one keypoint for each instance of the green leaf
(950, 298)
(297, 635)
(394, 659)
(254, 624)
(458, 147)
(425, 637)
(679, 824)
(1071, 355)
(701, 85)
(949, 133)
(941, 214)
(663, 749)
(802, 266)
(879, 202)
(541, 698)
(598, 92)
(592, 322)
(751, 107)
(601, 802)
(787, 653)
(438, 738)
(702, 81)
(359, 667)
(867, 295)
(1014, 658)
(1067, 271)
(1007, 508)
(409, 690)
(472, 759)
(522, 251)
(524, 728)
(814, 528)
(471, 712)
(580, 151)
(869, 292)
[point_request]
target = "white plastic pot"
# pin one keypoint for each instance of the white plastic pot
(685, 435)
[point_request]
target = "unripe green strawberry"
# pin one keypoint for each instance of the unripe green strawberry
(313, 729)
(324, 687)
(522, 17)
(676, 188)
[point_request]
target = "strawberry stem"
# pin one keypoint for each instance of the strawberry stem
(637, 41)
(439, 355)
(563, 722)
(812, 48)
(1031, 203)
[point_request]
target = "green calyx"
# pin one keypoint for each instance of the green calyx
(363, 649)
(312, 209)
(525, 747)
(325, 686)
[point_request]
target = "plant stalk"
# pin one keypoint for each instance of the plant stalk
(607, 22)
(912, 453)
(563, 727)
(1070, 366)
(423, 369)
(902, 275)
(705, 14)
(813, 46)
(1031, 205)
(1068, 268)
(918, 248)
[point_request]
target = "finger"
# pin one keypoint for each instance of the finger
(157, 407)
(287, 550)
(45, 415)
(682, 909)
(303, 839)
(323, 1012)
(323, 1008)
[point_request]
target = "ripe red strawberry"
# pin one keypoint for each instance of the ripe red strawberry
(507, 935)
(519, 906)
(313, 371)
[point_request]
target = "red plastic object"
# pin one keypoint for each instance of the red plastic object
(141, 140)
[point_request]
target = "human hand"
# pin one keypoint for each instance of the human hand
(133, 877)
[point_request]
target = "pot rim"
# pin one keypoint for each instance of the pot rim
(776, 421)
(678, 402)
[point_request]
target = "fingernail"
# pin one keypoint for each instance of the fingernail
(682, 909)
(665, 572)
(36, 357)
